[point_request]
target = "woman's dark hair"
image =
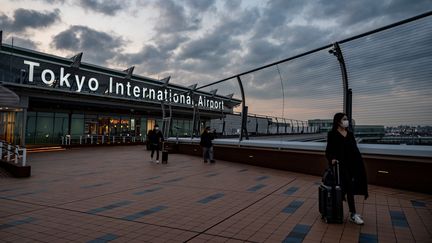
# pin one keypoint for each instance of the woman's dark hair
(336, 119)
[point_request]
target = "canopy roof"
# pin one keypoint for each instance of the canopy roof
(8, 98)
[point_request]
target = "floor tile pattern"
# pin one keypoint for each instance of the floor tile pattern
(116, 194)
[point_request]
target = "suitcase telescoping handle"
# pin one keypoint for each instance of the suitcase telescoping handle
(336, 171)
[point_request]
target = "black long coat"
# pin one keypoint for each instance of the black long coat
(206, 139)
(155, 137)
(352, 170)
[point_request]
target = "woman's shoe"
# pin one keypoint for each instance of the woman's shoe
(356, 219)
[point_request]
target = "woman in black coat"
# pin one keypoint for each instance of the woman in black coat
(342, 147)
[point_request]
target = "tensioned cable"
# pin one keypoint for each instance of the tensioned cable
(377, 61)
(319, 49)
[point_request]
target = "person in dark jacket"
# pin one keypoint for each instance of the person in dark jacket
(342, 148)
(155, 138)
(207, 145)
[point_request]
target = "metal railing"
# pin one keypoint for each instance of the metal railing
(13, 153)
(100, 139)
(381, 77)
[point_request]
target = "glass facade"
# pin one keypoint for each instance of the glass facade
(61, 125)
(52, 127)
(181, 128)
(31, 127)
(77, 125)
(46, 127)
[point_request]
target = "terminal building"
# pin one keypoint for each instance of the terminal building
(46, 99)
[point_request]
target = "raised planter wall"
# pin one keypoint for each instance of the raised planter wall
(402, 172)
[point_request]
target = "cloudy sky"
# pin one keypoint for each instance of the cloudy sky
(200, 41)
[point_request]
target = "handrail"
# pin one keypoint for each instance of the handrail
(415, 151)
(99, 139)
(13, 152)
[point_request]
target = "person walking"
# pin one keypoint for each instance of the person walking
(155, 138)
(342, 148)
(207, 145)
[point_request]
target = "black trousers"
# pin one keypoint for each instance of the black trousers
(155, 147)
(351, 203)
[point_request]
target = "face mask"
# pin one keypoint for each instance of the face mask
(156, 128)
(345, 123)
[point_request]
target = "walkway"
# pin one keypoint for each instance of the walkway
(114, 194)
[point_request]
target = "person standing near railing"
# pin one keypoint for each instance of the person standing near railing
(207, 145)
(155, 138)
(342, 148)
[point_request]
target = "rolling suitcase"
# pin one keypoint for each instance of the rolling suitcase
(330, 197)
(164, 157)
(164, 154)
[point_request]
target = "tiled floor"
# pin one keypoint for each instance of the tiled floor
(114, 194)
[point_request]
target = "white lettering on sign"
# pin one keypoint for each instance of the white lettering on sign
(118, 86)
(79, 82)
(110, 85)
(95, 85)
(136, 91)
(31, 68)
(51, 74)
(128, 89)
(64, 78)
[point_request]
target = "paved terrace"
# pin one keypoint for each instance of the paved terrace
(114, 194)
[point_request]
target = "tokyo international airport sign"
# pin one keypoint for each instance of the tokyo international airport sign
(51, 75)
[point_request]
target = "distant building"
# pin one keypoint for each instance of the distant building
(370, 131)
(323, 125)
(230, 125)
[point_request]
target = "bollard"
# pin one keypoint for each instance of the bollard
(103, 139)
(80, 139)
